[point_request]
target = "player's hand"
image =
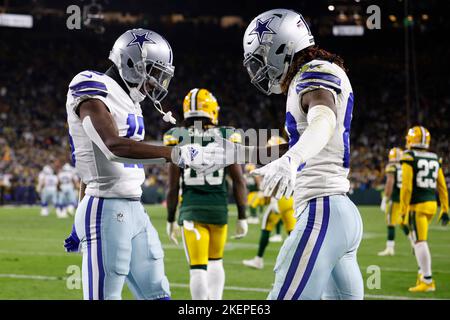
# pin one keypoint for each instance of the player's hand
(197, 157)
(72, 243)
(172, 231)
(443, 219)
(279, 176)
(383, 204)
(241, 229)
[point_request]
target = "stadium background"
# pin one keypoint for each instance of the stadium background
(36, 65)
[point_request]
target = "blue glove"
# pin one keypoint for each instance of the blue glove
(72, 243)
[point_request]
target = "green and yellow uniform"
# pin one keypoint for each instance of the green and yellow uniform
(203, 211)
(422, 176)
(393, 212)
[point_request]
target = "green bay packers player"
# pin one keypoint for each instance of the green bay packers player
(255, 198)
(278, 210)
(422, 175)
(203, 212)
(391, 201)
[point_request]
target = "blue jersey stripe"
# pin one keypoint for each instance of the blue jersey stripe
(321, 76)
(88, 85)
(77, 94)
(346, 134)
(304, 85)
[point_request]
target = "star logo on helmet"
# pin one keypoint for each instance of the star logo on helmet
(262, 28)
(140, 39)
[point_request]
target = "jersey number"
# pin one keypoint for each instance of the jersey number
(136, 133)
(427, 173)
(192, 178)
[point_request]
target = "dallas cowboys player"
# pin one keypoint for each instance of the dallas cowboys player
(106, 128)
(48, 189)
(318, 260)
(68, 182)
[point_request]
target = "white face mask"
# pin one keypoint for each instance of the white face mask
(136, 95)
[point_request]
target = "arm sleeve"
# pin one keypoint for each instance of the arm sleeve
(442, 191)
(321, 126)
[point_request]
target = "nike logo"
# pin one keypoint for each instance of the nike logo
(87, 75)
(312, 66)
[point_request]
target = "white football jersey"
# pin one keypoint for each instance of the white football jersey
(326, 173)
(104, 178)
(66, 180)
(48, 181)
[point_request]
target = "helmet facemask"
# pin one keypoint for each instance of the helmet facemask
(264, 76)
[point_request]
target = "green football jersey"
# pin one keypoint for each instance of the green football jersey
(425, 167)
(396, 170)
(251, 182)
(204, 198)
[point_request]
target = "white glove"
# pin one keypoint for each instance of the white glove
(383, 204)
(280, 173)
(197, 157)
(241, 229)
(172, 230)
(232, 153)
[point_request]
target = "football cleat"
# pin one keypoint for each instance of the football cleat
(256, 263)
(424, 287)
(387, 252)
(276, 238)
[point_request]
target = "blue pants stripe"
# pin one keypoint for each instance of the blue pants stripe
(101, 271)
(88, 241)
(299, 251)
(316, 250)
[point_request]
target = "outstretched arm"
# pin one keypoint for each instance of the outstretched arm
(101, 129)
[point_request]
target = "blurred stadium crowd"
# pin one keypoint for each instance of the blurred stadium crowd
(35, 72)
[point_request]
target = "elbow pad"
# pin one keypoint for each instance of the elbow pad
(95, 137)
(321, 126)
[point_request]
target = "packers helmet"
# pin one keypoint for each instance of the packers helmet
(249, 167)
(201, 103)
(418, 137)
(275, 140)
(395, 154)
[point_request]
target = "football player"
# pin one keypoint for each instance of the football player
(390, 203)
(48, 189)
(278, 210)
(422, 176)
(106, 127)
(255, 199)
(203, 212)
(68, 184)
(318, 259)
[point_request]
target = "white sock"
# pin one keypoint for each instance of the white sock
(199, 284)
(423, 257)
(411, 240)
(390, 244)
(216, 279)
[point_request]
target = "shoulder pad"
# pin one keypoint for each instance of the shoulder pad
(390, 168)
(171, 137)
(318, 74)
(408, 155)
(90, 83)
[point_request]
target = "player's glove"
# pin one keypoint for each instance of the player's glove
(443, 219)
(383, 204)
(72, 243)
(197, 157)
(241, 228)
(279, 176)
(172, 231)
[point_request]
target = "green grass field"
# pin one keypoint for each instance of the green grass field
(33, 264)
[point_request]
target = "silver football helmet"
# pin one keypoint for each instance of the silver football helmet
(144, 60)
(270, 42)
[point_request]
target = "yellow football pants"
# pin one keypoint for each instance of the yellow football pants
(283, 210)
(394, 216)
(420, 215)
(254, 200)
(209, 246)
